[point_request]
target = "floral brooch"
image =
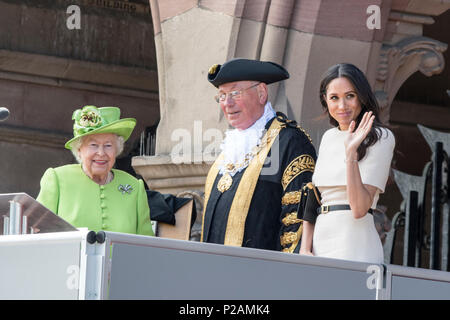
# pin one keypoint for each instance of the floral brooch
(125, 188)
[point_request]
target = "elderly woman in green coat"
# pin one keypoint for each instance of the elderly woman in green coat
(92, 194)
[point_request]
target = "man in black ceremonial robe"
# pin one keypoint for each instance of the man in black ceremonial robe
(253, 188)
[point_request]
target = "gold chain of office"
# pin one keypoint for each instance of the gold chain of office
(226, 180)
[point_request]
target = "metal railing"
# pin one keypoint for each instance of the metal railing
(424, 214)
(147, 142)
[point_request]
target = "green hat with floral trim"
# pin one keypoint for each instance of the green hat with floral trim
(93, 120)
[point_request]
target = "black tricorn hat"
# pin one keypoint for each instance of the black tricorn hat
(239, 69)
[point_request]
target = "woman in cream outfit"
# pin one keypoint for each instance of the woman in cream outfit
(351, 170)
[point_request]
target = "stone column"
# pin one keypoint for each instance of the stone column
(189, 37)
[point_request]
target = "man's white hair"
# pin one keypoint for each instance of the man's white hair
(76, 145)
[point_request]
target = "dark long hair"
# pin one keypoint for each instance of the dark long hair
(366, 98)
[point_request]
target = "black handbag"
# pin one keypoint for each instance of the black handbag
(309, 203)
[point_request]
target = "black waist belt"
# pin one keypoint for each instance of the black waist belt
(326, 209)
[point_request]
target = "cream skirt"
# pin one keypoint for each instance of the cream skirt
(338, 235)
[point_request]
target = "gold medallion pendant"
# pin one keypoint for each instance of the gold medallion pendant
(225, 182)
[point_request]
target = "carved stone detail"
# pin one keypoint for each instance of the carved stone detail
(398, 62)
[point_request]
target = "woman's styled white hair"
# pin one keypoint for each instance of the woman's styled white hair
(76, 145)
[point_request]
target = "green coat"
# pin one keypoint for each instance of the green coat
(72, 195)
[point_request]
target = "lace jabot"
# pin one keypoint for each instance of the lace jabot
(238, 144)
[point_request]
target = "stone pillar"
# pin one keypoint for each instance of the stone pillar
(190, 36)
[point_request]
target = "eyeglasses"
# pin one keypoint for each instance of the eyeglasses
(235, 94)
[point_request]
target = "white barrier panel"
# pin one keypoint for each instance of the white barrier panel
(153, 268)
(406, 283)
(65, 265)
(40, 266)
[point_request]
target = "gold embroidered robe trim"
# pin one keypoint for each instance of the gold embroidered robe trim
(234, 233)
(294, 240)
(291, 218)
(297, 166)
(237, 216)
(292, 197)
(288, 238)
(306, 133)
